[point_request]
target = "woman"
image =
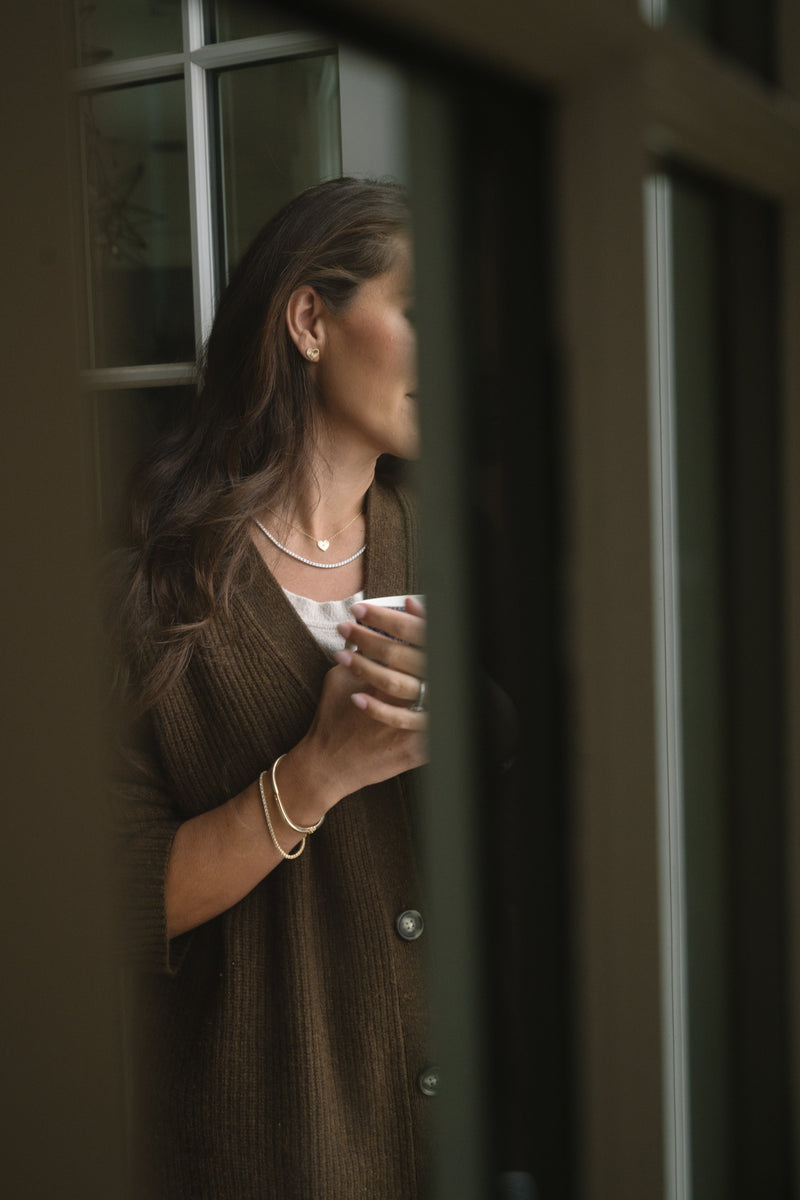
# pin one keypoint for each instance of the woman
(281, 1012)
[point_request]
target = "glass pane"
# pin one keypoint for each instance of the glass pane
(109, 29)
(126, 423)
(230, 19)
(694, 15)
(744, 29)
(138, 225)
(279, 134)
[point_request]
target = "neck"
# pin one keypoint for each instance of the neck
(331, 496)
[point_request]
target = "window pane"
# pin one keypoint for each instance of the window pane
(229, 19)
(126, 423)
(696, 15)
(138, 225)
(744, 29)
(279, 134)
(109, 29)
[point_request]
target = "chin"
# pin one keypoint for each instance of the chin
(407, 449)
(409, 441)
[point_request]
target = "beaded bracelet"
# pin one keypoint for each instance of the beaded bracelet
(304, 829)
(283, 853)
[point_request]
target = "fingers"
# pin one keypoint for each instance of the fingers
(396, 716)
(384, 652)
(398, 686)
(397, 655)
(408, 626)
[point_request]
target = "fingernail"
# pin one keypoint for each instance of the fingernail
(359, 611)
(344, 657)
(345, 629)
(359, 700)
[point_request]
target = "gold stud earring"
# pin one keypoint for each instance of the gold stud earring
(313, 353)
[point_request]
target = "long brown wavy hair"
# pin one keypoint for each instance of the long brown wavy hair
(243, 441)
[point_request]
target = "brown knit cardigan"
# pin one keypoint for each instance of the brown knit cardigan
(279, 1045)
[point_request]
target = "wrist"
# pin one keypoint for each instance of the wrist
(273, 820)
(304, 786)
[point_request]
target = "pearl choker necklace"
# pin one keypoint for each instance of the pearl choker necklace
(309, 562)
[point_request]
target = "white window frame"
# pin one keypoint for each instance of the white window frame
(194, 64)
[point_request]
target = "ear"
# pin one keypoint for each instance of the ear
(304, 320)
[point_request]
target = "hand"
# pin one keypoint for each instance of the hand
(393, 667)
(362, 735)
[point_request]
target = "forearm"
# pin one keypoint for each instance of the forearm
(217, 858)
(220, 856)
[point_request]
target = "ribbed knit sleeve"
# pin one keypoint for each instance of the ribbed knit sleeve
(146, 824)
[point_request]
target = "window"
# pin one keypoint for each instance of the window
(719, 427)
(193, 131)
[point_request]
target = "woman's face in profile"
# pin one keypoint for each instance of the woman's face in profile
(366, 378)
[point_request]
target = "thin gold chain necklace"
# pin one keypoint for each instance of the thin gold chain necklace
(308, 561)
(321, 543)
